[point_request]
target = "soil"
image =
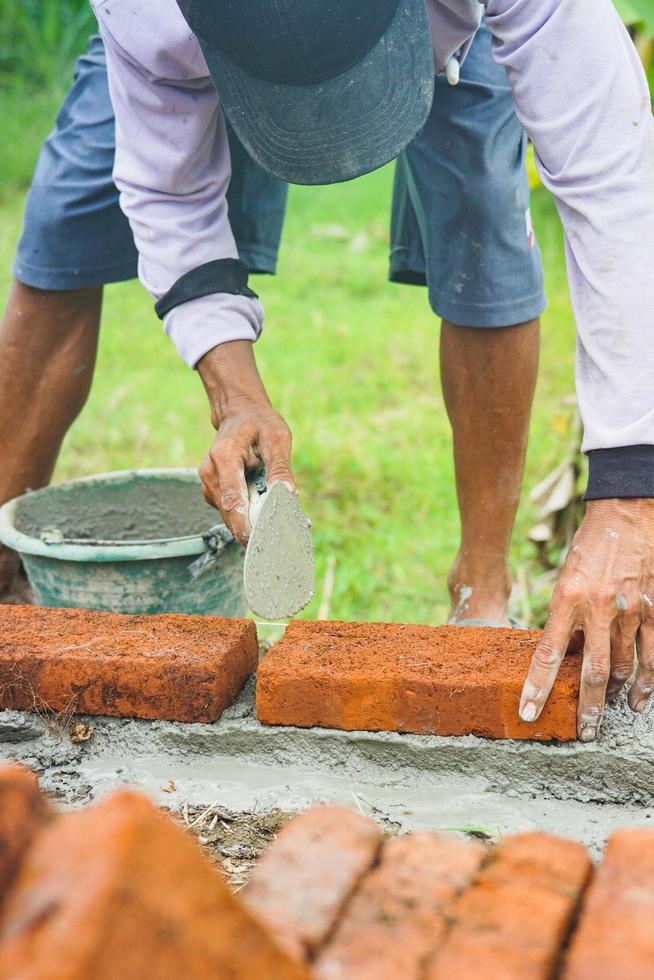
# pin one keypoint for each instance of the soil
(232, 840)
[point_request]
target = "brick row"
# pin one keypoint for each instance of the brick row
(515, 919)
(420, 679)
(399, 915)
(303, 881)
(118, 890)
(23, 812)
(614, 939)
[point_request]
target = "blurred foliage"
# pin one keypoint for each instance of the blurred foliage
(40, 38)
(638, 14)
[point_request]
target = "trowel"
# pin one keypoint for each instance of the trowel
(278, 575)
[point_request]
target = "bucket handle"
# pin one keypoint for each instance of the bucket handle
(216, 540)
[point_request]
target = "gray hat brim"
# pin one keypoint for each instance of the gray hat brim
(342, 128)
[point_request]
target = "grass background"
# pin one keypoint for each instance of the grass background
(349, 359)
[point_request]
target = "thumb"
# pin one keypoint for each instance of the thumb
(276, 455)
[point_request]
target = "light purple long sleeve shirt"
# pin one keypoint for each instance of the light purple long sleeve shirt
(582, 96)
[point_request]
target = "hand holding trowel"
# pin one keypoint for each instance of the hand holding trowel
(278, 576)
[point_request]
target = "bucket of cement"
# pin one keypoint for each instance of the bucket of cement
(125, 542)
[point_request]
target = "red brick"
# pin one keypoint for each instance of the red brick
(428, 680)
(23, 812)
(399, 915)
(304, 878)
(615, 936)
(516, 917)
(180, 668)
(118, 890)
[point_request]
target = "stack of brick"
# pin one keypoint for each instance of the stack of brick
(119, 890)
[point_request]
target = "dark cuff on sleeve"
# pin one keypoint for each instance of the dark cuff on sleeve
(219, 276)
(627, 471)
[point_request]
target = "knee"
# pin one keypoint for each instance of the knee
(60, 312)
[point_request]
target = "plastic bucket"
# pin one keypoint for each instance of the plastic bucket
(124, 542)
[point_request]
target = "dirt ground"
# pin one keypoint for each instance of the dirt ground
(233, 840)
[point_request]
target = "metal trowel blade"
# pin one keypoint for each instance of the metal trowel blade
(278, 576)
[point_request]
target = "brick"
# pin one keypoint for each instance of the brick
(179, 668)
(23, 812)
(118, 890)
(517, 915)
(399, 915)
(427, 680)
(614, 939)
(306, 875)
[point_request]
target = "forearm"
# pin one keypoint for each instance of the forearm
(581, 93)
(230, 378)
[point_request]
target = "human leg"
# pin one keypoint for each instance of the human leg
(462, 225)
(48, 343)
(488, 380)
(75, 239)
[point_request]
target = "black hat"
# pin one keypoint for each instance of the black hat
(318, 91)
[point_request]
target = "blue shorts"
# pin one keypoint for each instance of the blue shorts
(460, 221)
(74, 233)
(459, 214)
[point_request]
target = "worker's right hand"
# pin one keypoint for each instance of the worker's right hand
(249, 432)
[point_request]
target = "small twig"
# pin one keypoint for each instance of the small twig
(204, 815)
(523, 584)
(356, 800)
(328, 588)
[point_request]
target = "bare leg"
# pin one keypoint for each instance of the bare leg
(488, 378)
(48, 344)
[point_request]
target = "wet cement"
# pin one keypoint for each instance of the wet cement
(409, 781)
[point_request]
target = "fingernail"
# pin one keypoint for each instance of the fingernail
(529, 711)
(639, 707)
(588, 734)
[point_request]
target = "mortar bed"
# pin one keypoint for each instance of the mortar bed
(406, 781)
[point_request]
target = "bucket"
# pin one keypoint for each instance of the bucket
(127, 542)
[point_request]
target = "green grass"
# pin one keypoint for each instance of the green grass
(349, 359)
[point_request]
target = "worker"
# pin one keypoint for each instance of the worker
(317, 94)
(460, 224)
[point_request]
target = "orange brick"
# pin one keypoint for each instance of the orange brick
(119, 891)
(427, 680)
(615, 936)
(399, 915)
(304, 878)
(516, 917)
(180, 668)
(23, 812)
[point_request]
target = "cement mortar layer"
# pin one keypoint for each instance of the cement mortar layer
(409, 781)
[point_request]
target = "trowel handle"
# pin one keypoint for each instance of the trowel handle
(257, 488)
(216, 540)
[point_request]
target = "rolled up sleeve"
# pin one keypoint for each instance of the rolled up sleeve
(172, 168)
(582, 95)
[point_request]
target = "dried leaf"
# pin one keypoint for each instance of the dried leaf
(80, 731)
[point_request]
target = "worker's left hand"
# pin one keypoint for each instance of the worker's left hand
(606, 590)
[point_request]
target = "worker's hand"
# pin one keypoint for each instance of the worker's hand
(606, 590)
(249, 432)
